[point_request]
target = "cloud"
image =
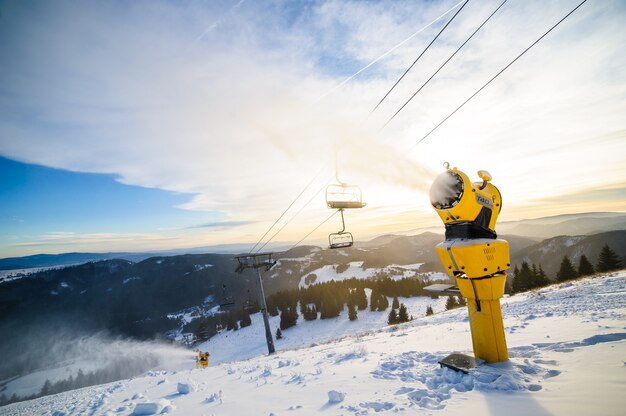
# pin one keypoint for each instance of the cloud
(223, 224)
(233, 118)
(66, 238)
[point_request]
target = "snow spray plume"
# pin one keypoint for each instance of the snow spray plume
(316, 135)
(99, 356)
(445, 189)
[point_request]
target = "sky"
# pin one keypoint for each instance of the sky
(146, 125)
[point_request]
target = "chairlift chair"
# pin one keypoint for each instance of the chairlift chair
(226, 302)
(249, 305)
(340, 240)
(344, 196)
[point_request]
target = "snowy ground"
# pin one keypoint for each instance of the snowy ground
(355, 269)
(568, 357)
(14, 274)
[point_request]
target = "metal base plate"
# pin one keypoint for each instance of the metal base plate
(458, 362)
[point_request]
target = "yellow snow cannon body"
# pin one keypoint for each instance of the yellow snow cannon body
(473, 255)
(202, 361)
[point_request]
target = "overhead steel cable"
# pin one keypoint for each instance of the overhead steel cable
(388, 52)
(293, 217)
(419, 56)
(314, 229)
(445, 63)
(284, 212)
(498, 74)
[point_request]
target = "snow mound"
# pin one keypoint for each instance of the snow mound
(335, 396)
(185, 388)
(151, 408)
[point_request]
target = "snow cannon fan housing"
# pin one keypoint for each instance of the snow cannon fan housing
(469, 212)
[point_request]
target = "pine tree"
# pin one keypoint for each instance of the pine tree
(429, 310)
(279, 334)
(45, 390)
(524, 280)
(231, 323)
(396, 303)
(272, 309)
(450, 303)
(360, 298)
(331, 307)
(585, 268)
(80, 378)
(403, 314)
(383, 303)
(515, 285)
(245, 319)
(288, 317)
(352, 314)
(542, 279)
(393, 317)
(310, 313)
(567, 271)
(460, 300)
(608, 260)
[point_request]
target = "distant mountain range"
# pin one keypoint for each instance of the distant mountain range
(546, 227)
(570, 224)
(52, 260)
(538, 229)
(550, 252)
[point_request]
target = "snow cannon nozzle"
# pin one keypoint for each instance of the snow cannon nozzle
(468, 209)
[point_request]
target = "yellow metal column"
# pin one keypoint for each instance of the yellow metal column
(485, 316)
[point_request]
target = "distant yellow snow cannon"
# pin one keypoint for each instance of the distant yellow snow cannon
(202, 361)
(473, 255)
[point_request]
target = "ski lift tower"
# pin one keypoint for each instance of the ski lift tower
(259, 261)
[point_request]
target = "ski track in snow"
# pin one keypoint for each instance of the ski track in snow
(394, 369)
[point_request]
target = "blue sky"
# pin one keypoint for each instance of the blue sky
(158, 125)
(40, 199)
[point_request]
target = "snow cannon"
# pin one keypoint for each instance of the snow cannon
(473, 255)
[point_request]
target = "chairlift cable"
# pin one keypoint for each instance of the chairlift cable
(498, 74)
(314, 229)
(326, 94)
(444, 64)
(419, 56)
(285, 211)
(294, 216)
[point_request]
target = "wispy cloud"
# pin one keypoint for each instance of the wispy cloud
(223, 224)
(231, 119)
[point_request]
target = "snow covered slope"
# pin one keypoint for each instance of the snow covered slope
(568, 357)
